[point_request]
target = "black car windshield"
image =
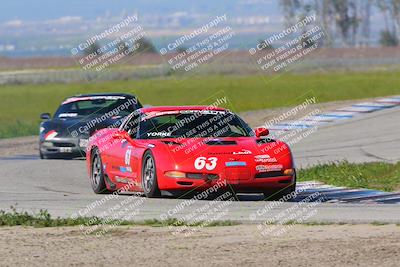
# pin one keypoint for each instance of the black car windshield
(192, 124)
(96, 106)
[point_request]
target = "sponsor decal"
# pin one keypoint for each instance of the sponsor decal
(235, 163)
(261, 168)
(269, 168)
(265, 156)
(50, 135)
(265, 159)
(220, 153)
(208, 163)
(153, 114)
(75, 99)
(124, 180)
(125, 169)
(67, 115)
(205, 111)
(162, 134)
(243, 152)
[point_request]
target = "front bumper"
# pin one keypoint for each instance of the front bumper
(249, 185)
(73, 147)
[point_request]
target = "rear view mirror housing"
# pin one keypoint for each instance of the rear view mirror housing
(45, 116)
(121, 135)
(261, 131)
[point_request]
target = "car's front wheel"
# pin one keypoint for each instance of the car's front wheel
(97, 174)
(149, 176)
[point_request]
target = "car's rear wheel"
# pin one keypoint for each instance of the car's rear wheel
(149, 176)
(97, 174)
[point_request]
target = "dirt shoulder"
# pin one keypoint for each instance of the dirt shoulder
(333, 245)
(27, 145)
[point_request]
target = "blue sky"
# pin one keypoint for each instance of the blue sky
(51, 9)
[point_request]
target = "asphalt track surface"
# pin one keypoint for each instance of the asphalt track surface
(62, 186)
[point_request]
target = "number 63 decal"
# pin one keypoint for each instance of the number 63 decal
(209, 163)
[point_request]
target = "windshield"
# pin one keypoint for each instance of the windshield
(117, 106)
(192, 124)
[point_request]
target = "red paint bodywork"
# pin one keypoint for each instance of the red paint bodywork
(175, 158)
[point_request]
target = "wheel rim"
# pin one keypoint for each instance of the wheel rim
(148, 179)
(96, 171)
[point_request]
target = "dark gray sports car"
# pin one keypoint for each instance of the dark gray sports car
(66, 134)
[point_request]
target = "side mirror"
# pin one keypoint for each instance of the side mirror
(45, 116)
(261, 131)
(121, 135)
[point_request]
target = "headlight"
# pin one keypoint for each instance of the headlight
(47, 144)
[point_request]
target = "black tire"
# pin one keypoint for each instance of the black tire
(149, 176)
(41, 155)
(285, 192)
(97, 174)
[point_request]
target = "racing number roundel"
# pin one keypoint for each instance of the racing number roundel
(209, 163)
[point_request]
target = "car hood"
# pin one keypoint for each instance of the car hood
(249, 149)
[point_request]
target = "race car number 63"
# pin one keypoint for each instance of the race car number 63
(209, 163)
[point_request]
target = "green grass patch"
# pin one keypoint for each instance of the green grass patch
(21, 104)
(320, 223)
(377, 175)
(44, 219)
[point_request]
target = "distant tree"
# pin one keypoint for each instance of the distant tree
(366, 22)
(94, 48)
(390, 10)
(264, 45)
(396, 14)
(388, 38)
(307, 42)
(384, 8)
(145, 45)
(181, 49)
(342, 18)
(291, 10)
(123, 48)
(347, 20)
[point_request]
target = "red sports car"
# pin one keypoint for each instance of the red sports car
(188, 148)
